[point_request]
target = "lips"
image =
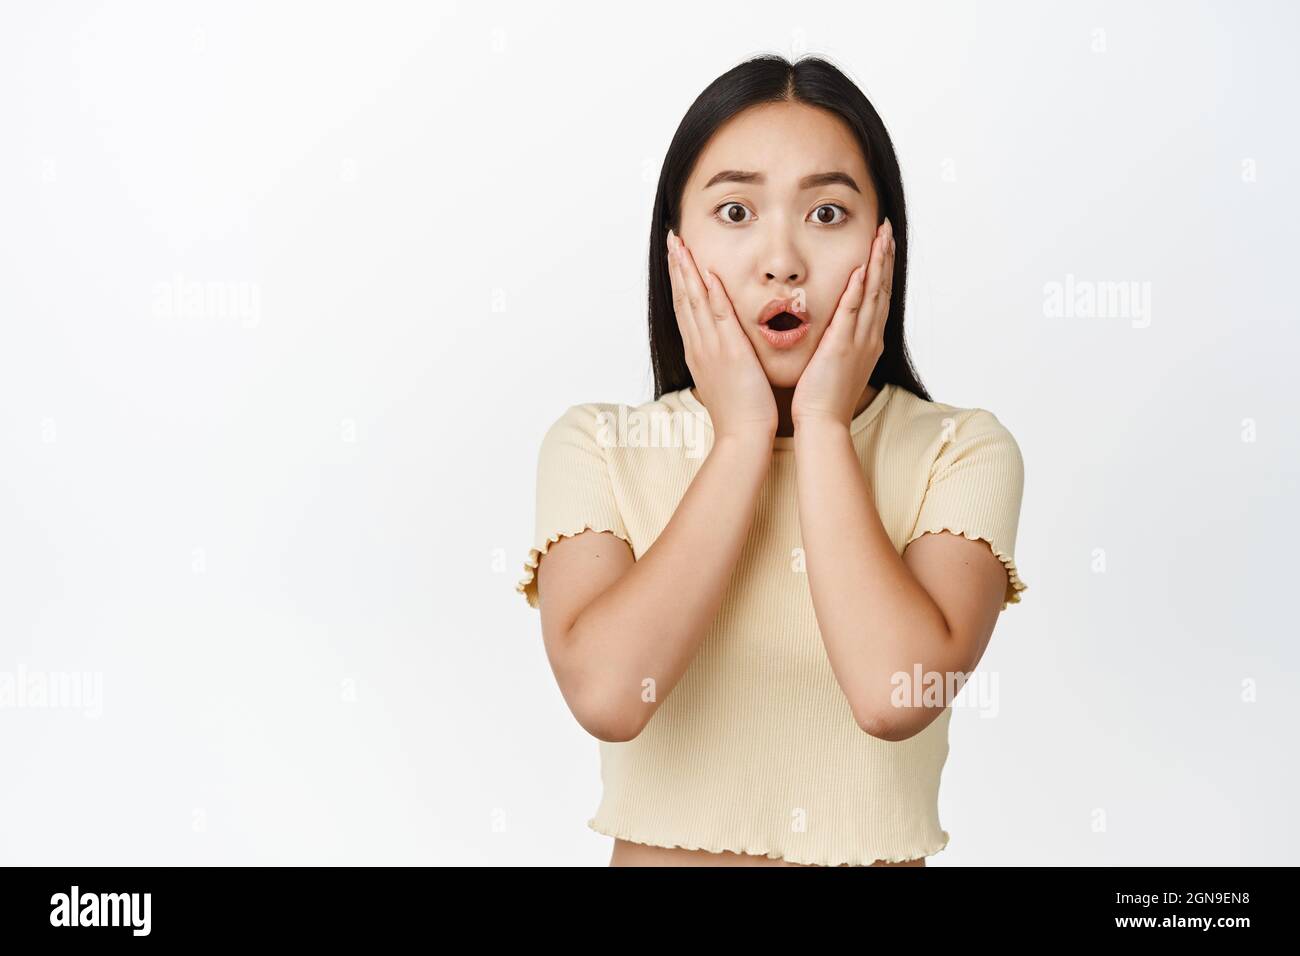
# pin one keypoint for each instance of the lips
(783, 315)
(783, 323)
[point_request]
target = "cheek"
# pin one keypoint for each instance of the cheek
(723, 260)
(832, 279)
(834, 275)
(709, 250)
(856, 254)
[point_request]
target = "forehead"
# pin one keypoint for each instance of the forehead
(785, 141)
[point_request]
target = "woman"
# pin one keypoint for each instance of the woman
(764, 617)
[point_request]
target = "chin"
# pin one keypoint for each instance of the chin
(784, 372)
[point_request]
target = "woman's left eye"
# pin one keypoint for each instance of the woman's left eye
(830, 205)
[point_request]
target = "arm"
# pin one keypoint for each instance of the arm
(610, 623)
(879, 613)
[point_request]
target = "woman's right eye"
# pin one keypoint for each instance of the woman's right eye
(728, 216)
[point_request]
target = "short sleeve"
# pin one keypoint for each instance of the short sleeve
(975, 489)
(574, 489)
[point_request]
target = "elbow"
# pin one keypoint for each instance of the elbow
(610, 731)
(607, 723)
(589, 701)
(891, 723)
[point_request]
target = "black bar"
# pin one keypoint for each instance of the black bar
(365, 905)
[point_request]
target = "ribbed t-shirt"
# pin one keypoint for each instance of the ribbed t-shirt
(756, 749)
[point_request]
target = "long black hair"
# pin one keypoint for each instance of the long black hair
(771, 78)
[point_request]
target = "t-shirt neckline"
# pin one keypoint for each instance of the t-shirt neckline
(786, 442)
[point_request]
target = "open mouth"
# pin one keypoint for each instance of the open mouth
(784, 330)
(782, 327)
(783, 322)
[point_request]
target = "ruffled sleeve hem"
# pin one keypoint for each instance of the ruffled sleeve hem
(527, 585)
(1014, 584)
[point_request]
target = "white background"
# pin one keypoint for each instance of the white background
(286, 539)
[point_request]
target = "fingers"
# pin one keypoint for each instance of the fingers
(844, 322)
(720, 307)
(711, 316)
(879, 286)
(887, 279)
(697, 295)
(686, 324)
(724, 315)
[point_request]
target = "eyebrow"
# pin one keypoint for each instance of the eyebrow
(808, 182)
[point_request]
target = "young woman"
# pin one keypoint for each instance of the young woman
(764, 618)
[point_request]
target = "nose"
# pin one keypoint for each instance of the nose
(783, 264)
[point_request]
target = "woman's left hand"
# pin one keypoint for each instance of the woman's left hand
(837, 374)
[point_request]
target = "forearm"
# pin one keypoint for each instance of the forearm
(650, 622)
(875, 617)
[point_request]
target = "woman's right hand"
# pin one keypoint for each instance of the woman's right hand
(728, 375)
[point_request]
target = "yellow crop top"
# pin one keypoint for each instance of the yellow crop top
(756, 750)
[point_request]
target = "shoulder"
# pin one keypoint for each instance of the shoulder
(943, 427)
(589, 414)
(583, 418)
(608, 426)
(577, 432)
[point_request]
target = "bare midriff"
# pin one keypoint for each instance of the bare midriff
(627, 853)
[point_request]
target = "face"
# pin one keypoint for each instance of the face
(777, 231)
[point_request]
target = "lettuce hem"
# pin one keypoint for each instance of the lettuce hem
(526, 585)
(1014, 584)
(854, 860)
